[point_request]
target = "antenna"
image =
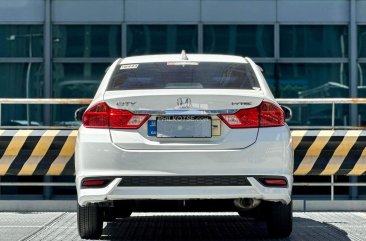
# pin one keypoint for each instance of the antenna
(183, 55)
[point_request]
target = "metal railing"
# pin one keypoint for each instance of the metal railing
(331, 101)
(320, 101)
(40, 101)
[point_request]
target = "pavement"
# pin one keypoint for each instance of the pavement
(182, 227)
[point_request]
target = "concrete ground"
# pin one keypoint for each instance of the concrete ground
(182, 226)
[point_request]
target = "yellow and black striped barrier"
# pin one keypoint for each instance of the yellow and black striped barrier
(329, 152)
(51, 152)
(37, 152)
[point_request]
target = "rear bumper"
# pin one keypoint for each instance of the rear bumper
(114, 191)
(96, 156)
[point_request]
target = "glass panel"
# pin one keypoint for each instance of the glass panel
(269, 74)
(13, 79)
(362, 41)
(362, 80)
(313, 41)
(86, 40)
(319, 115)
(244, 40)
(362, 93)
(21, 41)
(314, 81)
(74, 81)
(186, 75)
(159, 39)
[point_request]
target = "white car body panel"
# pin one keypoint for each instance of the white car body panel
(209, 99)
(146, 101)
(251, 152)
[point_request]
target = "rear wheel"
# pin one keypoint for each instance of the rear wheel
(279, 220)
(90, 222)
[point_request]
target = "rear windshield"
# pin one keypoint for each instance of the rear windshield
(183, 75)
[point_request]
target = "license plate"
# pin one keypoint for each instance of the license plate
(183, 126)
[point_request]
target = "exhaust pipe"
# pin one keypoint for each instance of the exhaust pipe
(246, 203)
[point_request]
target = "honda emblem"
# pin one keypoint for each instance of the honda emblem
(184, 103)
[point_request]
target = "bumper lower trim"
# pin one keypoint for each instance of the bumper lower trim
(180, 181)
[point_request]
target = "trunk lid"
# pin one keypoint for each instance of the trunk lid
(207, 103)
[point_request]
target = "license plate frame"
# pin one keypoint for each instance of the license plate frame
(183, 126)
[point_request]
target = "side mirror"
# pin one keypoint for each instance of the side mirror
(79, 113)
(288, 112)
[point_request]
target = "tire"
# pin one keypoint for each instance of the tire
(90, 222)
(279, 220)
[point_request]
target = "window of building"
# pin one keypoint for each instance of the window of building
(86, 41)
(268, 70)
(362, 41)
(362, 79)
(313, 41)
(314, 81)
(74, 80)
(160, 39)
(310, 81)
(361, 86)
(75, 75)
(21, 80)
(21, 41)
(244, 40)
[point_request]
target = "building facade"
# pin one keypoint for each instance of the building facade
(61, 48)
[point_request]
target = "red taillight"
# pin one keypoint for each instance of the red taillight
(93, 183)
(275, 182)
(271, 115)
(264, 115)
(103, 116)
(246, 118)
(97, 116)
(123, 119)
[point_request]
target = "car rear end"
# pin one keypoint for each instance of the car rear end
(176, 128)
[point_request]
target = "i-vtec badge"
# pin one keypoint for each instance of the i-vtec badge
(241, 103)
(184, 103)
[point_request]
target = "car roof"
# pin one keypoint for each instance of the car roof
(178, 57)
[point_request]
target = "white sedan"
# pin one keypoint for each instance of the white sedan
(184, 132)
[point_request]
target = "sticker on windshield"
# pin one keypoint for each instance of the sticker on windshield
(129, 66)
